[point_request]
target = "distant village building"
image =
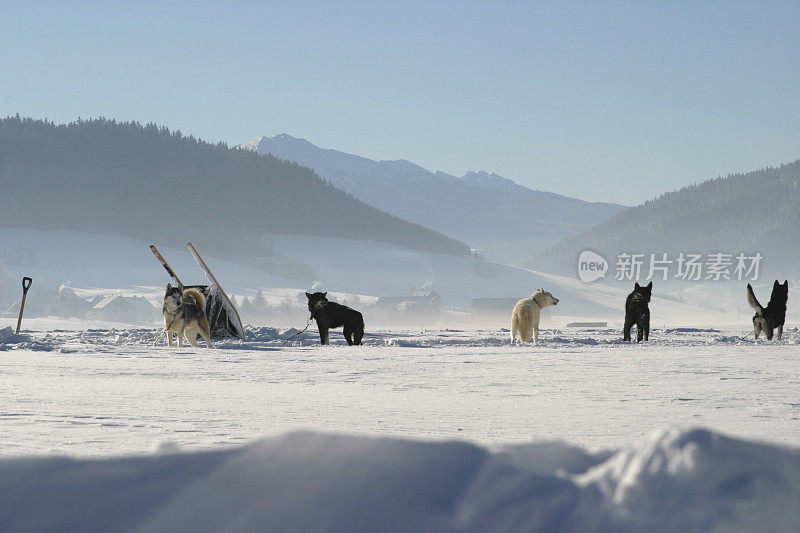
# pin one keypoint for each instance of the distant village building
(65, 303)
(126, 309)
(38, 303)
(71, 304)
(62, 303)
(423, 300)
(493, 308)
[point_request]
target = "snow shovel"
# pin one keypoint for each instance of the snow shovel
(26, 284)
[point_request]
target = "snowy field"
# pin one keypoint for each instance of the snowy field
(439, 429)
(210, 432)
(110, 391)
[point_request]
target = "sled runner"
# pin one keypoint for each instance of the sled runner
(166, 266)
(220, 311)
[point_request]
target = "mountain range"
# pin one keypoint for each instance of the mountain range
(507, 221)
(752, 213)
(147, 182)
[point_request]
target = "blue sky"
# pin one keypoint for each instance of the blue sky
(603, 101)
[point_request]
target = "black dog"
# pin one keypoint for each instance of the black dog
(637, 312)
(332, 315)
(773, 315)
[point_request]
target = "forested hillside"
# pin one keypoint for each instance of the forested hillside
(158, 185)
(753, 212)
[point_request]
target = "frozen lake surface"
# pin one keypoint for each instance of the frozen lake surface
(111, 391)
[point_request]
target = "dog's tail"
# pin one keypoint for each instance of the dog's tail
(197, 296)
(751, 299)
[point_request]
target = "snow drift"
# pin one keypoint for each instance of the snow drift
(677, 480)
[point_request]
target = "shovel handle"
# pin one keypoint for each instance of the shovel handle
(26, 284)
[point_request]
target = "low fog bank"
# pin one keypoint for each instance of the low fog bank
(73, 272)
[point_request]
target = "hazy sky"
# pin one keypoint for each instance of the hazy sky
(603, 101)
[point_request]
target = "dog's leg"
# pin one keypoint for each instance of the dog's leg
(514, 328)
(205, 331)
(626, 332)
(769, 333)
(191, 335)
(323, 336)
(206, 337)
(357, 336)
(756, 330)
(647, 331)
(348, 334)
(536, 327)
(169, 338)
(639, 332)
(780, 331)
(180, 338)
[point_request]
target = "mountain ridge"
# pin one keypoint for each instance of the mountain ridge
(748, 212)
(504, 219)
(148, 182)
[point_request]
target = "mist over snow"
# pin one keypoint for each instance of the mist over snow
(104, 265)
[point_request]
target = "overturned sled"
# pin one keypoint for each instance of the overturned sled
(221, 313)
(223, 322)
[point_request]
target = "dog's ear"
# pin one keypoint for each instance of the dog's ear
(325, 294)
(775, 285)
(636, 285)
(786, 283)
(308, 296)
(650, 285)
(169, 286)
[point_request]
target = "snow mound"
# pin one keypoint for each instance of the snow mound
(678, 480)
(7, 336)
(698, 480)
(9, 339)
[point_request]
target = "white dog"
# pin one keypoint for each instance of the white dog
(525, 318)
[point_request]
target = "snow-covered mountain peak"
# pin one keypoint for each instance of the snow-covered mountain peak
(283, 139)
(489, 180)
(287, 139)
(285, 146)
(252, 145)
